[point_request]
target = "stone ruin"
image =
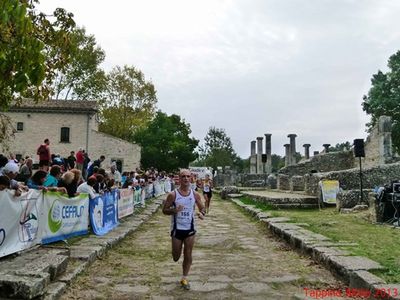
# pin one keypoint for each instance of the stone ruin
(379, 167)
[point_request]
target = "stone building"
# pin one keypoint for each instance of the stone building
(69, 125)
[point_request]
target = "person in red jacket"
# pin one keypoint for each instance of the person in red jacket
(80, 159)
(44, 155)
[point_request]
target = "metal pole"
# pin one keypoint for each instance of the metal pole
(361, 183)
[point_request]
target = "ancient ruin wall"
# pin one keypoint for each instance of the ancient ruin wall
(350, 179)
(334, 161)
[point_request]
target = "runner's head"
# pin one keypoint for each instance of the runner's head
(185, 177)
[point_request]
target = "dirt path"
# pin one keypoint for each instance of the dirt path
(234, 258)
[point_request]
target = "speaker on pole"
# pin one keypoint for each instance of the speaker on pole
(359, 148)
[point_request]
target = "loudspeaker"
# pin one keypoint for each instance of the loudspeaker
(359, 148)
(264, 158)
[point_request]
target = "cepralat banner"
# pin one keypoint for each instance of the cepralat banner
(19, 220)
(63, 217)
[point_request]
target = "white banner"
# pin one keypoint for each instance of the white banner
(64, 217)
(125, 202)
(19, 220)
(329, 189)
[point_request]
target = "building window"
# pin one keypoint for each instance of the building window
(20, 126)
(64, 135)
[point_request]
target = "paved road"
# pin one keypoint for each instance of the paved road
(234, 258)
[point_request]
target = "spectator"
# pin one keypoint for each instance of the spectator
(25, 171)
(85, 164)
(97, 163)
(11, 170)
(80, 159)
(67, 182)
(99, 186)
(4, 182)
(87, 187)
(44, 155)
(37, 180)
(115, 174)
(53, 177)
(71, 160)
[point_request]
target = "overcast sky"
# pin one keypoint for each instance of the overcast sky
(251, 66)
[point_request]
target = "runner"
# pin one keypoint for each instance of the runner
(207, 191)
(180, 204)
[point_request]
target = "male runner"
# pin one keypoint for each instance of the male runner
(180, 204)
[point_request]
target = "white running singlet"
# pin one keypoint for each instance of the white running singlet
(184, 220)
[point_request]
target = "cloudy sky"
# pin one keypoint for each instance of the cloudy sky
(251, 66)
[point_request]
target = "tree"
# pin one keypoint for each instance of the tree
(32, 48)
(128, 104)
(340, 147)
(82, 79)
(218, 150)
(166, 144)
(384, 98)
(277, 162)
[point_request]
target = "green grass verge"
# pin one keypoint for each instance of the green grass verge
(377, 242)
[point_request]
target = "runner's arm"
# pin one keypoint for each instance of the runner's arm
(168, 208)
(199, 204)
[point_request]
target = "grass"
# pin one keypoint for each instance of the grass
(377, 242)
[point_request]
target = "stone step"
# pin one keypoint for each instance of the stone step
(27, 276)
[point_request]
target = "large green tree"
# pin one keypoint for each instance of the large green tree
(384, 98)
(128, 104)
(218, 150)
(33, 46)
(82, 78)
(166, 143)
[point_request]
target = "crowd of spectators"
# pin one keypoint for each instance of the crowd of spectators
(72, 175)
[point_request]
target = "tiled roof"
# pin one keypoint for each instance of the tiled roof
(67, 106)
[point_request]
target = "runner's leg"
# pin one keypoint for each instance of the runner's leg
(176, 248)
(187, 254)
(207, 202)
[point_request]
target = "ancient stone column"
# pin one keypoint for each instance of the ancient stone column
(287, 150)
(253, 147)
(326, 147)
(306, 151)
(268, 164)
(253, 158)
(259, 155)
(292, 149)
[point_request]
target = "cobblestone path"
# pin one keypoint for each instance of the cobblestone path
(234, 258)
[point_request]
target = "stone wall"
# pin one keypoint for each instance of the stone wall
(39, 126)
(350, 179)
(322, 163)
(115, 149)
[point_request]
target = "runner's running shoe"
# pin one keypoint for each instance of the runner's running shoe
(185, 284)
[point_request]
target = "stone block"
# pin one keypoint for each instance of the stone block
(297, 183)
(362, 279)
(55, 290)
(283, 182)
(343, 265)
(23, 287)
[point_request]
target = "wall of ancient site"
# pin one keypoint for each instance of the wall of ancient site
(321, 163)
(350, 179)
